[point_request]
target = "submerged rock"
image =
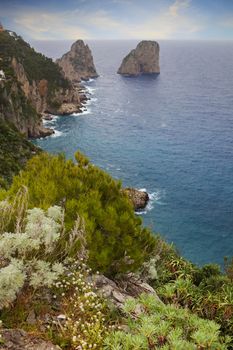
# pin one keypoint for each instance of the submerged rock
(138, 198)
(78, 64)
(142, 60)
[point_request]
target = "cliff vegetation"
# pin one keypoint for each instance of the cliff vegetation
(65, 223)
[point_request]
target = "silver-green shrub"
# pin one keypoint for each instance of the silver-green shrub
(23, 255)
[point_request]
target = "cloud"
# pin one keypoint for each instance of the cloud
(174, 21)
(178, 6)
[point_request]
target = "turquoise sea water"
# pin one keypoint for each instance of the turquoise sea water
(171, 134)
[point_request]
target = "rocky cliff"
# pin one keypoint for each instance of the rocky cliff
(77, 64)
(142, 60)
(30, 85)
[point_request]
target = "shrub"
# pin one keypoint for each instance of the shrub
(25, 255)
(116, 240)
(83, 320)
(167, 327)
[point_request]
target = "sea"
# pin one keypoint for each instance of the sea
(170, 134)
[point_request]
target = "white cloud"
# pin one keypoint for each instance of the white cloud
(178, 6)
(174, 21)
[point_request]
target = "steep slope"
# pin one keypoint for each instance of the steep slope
(142, 60)
(15, 150)
(78, 64)
(31, 84)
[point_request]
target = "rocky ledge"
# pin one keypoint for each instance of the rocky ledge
(142, 60)
(138, 198)
(17, 339)
(78, 64)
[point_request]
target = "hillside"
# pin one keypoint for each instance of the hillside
(31, 84)
(15, 150)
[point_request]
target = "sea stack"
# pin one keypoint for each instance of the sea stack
(142, 60)
(77, 64)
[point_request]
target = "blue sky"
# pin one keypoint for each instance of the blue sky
(118, 19)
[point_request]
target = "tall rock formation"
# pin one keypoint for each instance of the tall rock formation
(142, 60)
(77, 64)
(30, 85)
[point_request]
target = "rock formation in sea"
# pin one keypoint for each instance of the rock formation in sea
(78, 64)
(142, 60)
(138, 198)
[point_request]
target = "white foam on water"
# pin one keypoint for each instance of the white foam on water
(57, 133)
(154, 198)
(90, 90)
(52, 121)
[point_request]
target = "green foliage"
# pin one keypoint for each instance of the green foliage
(167, 327)
(116, 240)
(206, 291)
(15, 150)
(36, 65)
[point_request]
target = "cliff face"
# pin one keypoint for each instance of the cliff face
(30, 85)
(142, 60)
(63, 100)
(78, 63)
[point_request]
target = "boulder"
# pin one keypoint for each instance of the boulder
(142, 60)
(138, 198)
(78, 64)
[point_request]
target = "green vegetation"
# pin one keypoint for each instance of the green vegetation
(116, 240)
(36, 65)
(60, 222)
(166, 327)
(206, 291)
(15, 150)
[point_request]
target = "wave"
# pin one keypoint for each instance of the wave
(90, 90)
(154, 198)
(52, 121)
(57, 133)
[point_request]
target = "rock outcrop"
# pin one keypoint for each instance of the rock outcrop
(17, 339)
(65, 100)
(31, 85)
(77, 64)
(138, 198)
(119, 291)
(142, 60)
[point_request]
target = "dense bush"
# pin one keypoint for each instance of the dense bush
(116, 240)
(15, 150)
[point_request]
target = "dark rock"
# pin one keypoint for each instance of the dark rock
(17, 339)
(138, 198)
(142, 60)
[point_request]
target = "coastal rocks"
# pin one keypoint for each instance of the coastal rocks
(138, 198)
(119, 291)
(142, 60)
(17, 339)
(77, 64)
(61, 101)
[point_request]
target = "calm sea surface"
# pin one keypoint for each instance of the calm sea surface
(171, 134)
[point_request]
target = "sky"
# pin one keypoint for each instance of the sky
(119, 19)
